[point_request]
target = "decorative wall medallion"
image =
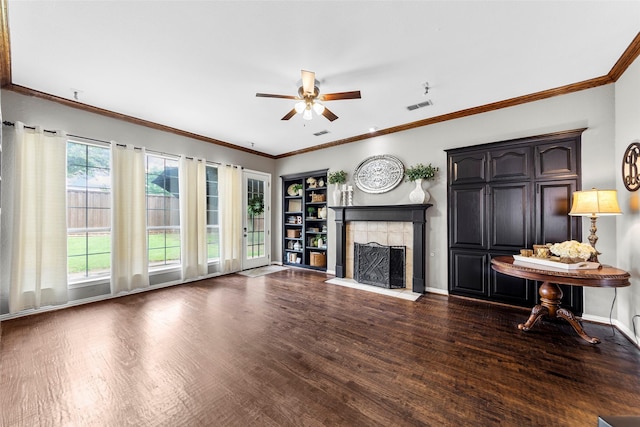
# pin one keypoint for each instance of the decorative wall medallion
(379, 174)
(631, 167)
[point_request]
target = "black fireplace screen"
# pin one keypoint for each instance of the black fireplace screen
(379, 265)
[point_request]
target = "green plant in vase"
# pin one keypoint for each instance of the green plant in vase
(420, 171)
(311, 211)
(417, 174)
(337, 178)
(297, 188)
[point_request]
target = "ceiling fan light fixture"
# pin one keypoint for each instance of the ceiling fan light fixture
(300, 106)
(308, 96)
(318, 107)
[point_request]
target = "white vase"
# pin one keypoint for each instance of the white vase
(337, 195)
(322, 212)
(418, 195)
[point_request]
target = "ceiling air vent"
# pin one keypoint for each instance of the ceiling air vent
(420, 105)
(322, 132)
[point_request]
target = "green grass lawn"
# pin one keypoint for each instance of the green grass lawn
(99, 249)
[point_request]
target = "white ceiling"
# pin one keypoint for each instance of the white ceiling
(197, 65)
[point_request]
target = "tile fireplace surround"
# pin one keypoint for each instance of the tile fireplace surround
(414, 214)
(385, 233)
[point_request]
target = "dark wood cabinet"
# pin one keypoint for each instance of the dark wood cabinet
(506, 196)
(304, 241)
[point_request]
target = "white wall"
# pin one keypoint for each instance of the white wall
(627, 126)
(592, 109)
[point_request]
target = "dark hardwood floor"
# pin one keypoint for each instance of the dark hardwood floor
(288, 349)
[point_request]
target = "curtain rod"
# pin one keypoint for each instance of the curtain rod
(8, 123)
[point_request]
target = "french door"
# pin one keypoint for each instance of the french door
(256, 244)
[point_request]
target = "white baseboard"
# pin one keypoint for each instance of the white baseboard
(621, 327)
(436, 291)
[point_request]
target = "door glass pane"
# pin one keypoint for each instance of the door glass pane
(255, 241)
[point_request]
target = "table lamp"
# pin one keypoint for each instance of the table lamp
(594, 203)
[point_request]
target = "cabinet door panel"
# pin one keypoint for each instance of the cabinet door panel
(468, 273)
(553, 201)
(558, 159)
(467, 168)
(467, 216)
(512, 163)
(511, 290)
(510, 216)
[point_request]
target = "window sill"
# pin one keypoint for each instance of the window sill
(152, 272)
(89, 282)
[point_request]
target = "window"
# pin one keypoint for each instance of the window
(213, 224)
(163, 211)
(88, 211)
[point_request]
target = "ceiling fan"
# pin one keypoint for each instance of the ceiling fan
(309, 98)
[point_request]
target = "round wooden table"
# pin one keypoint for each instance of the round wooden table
(550, 292)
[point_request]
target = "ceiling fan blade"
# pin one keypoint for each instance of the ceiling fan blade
(308, 81)
(340, 95)
(329, 115)
(289, 115)
(270, 95)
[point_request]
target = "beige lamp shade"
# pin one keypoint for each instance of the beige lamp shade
(595, 203)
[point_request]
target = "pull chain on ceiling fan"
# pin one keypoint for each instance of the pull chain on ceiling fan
(309, 98)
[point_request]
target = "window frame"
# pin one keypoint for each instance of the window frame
(163, 266)
(213, 227)
(87, 278)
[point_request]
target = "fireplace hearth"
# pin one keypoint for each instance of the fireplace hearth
(379, 265)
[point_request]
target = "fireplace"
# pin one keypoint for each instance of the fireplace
(379, 265)
(414, 214)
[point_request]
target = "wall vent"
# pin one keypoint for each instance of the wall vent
(322, 132)
(420, 105)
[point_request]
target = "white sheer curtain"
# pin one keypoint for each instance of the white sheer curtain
(129, 259)
(230, 204)
(193, 221)
(38, 259)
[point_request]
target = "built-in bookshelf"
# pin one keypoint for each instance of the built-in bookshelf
(304, 207)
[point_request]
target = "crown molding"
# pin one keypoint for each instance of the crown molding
(562, 90)
(5, 46)
(141, 122)
(627, 58)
